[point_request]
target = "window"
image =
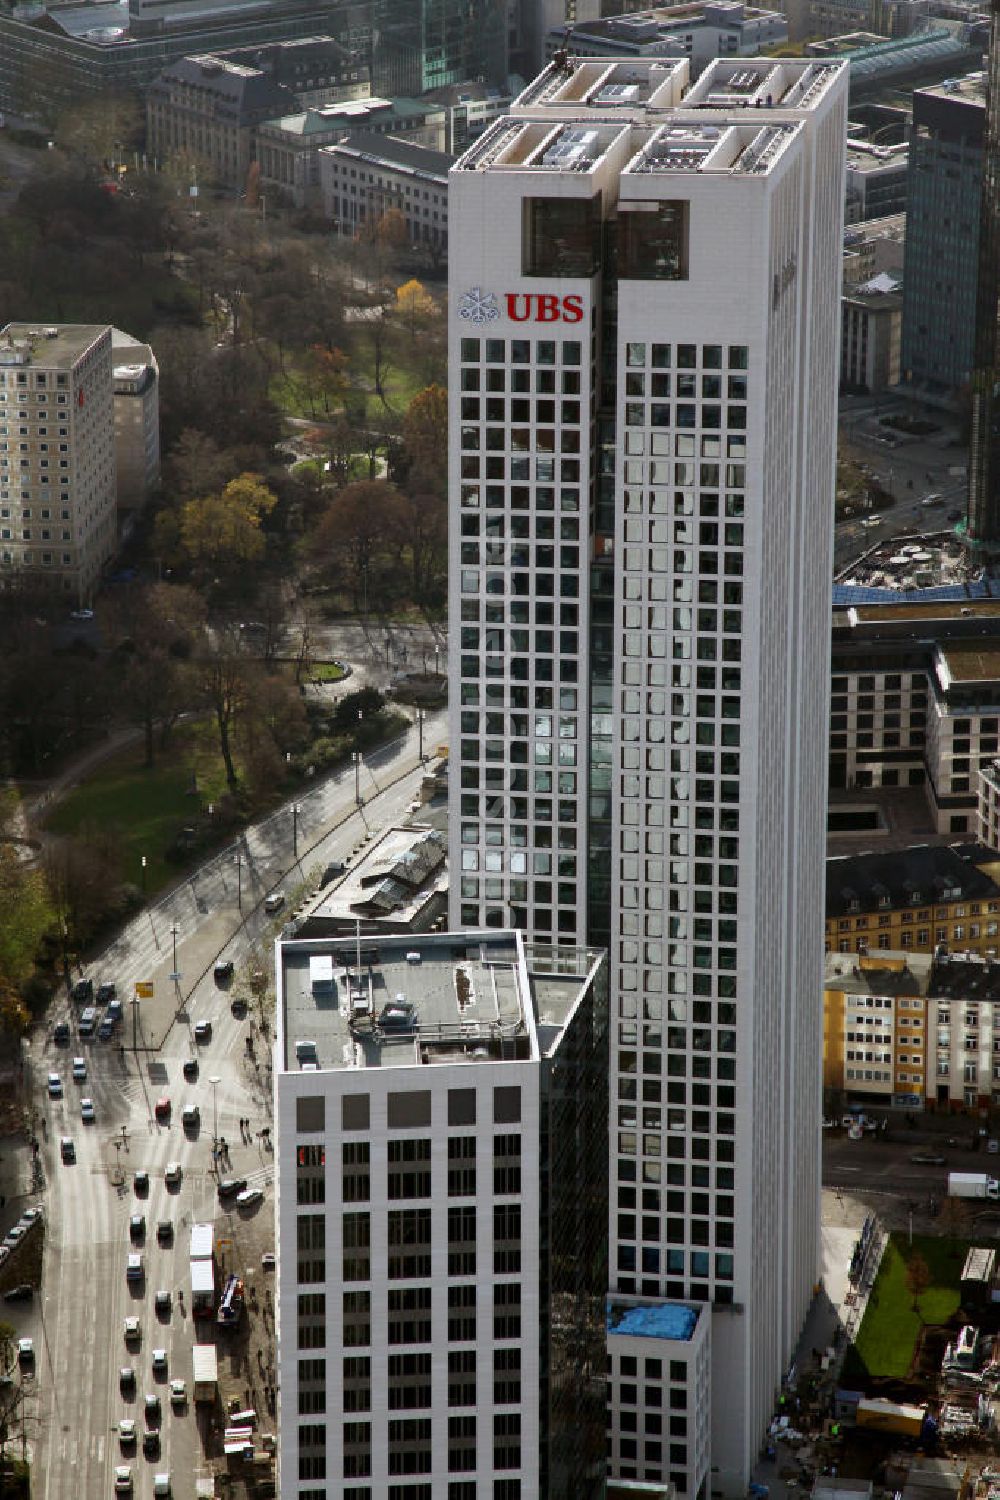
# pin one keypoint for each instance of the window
(654, 246)
(560, 236)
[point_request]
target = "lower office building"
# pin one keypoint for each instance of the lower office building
(441, 1192)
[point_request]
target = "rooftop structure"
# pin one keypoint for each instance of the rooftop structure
(399, 883)
(926, 875)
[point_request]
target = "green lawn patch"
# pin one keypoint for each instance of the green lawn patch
(144, 806)
(891, 1326)
(327, 671)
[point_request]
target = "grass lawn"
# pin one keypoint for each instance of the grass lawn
(327, 671)
(147, 807)
(890, 1327)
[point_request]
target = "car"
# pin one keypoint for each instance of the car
(106, 1030)
(230, 1186)
(160, 1359)
(161, 1109)
(87, 1114)
(61, 1034)
(161, 1302)
(161, 1484)
(4, 1252)
(133, 1331)
(126, 1431)
(203, 1031)
(126, 1380)
(81, 614)
(249, 1196)
(238, 1006)
(178, 1393)
(67, 1149)
(172, 1173)
(151, 1443)
(22, 1293)
(190, 1068)
(115, 1012)
(275, 901)
(928, 1159)
(83, 991)
(26, 1351)
(152, 1408)
(79, 1069)
(123, 1479)
(55, 1086)
(191, 1116)
(106, 993)
(268, 1261)
(137, 1227)
(223, 971)
(164, 1231)
(134, 1268)
(31, 1216)
(333, 868)
(140, 1181)
(14, 1236)
(930, 500)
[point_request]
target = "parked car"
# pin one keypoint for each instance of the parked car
(55, 1086)
(249, 1196)
(160, 1359)
(79, 1070)
(223, 971)
(161, 1109)
(164, 1232)
(134, 1268)
(203, 1031)
(230, 1186)
(172, 1173)
(332, 869)
(126, 1380)
(22, 1293)
(61, 1034)
(151, 1443)
(152, 1405)
(161, 1302)
(83, 991)
(137, 1227)
(190, 1068)
(26, 1351)
(178, 1393)
(928, 1159)
(87, 1114)
(133, 1331)
(126, 1431)
(123, 1479)
(106, 993)
(275, 901)
(67, 1149)
(106, 1030)
(140, 1182)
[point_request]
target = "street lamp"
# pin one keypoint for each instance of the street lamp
(176, 975)
(215, 1080)
(144, 877)
(295, 831)
(135, 1023)
(239, 882)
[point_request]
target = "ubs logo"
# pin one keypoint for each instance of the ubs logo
(479, 307)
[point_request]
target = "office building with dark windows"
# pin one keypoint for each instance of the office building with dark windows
(441, 1187)
(643, 346)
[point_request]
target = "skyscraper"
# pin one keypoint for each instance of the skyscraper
(644, 347)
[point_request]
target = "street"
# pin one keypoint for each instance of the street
(72, 1401)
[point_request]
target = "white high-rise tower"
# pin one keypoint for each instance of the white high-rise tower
(643, 353)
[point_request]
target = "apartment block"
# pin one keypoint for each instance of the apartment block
(644, 285)
(914, 900)
(905, 1031)
(57, 455)
(441, 1199)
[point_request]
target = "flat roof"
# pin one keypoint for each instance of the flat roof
(941, 609)
(49, 345)
(971, 664)
(653, 1320)
(403, 1000)
(392, 881)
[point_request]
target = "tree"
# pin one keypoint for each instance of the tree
(197, 466)
(221, 532)
(222, 677)
(26, 915)
(425, 440)
(954, 1217)
(364, 518)
(324, 375)
(414, 306)
(102, 131)
(154, 627)
(918, 1278)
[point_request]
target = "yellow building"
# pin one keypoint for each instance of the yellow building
(912, 900)
(875, 1030)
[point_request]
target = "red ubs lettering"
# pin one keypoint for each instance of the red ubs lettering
(543, 307)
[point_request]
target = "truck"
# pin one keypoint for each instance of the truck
(972, 1185)
(890, 1416)
(205, 1372)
